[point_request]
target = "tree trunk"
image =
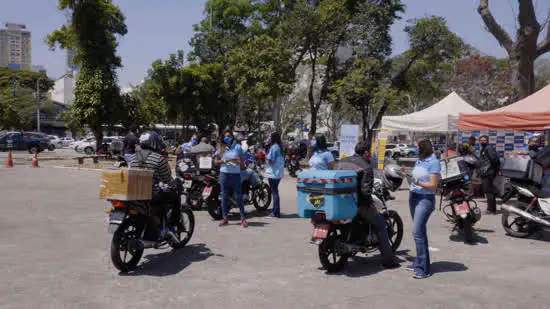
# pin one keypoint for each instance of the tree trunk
(276, 113)
(98, 134)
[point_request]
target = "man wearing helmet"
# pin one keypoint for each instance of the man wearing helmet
(149, 157)
(360, 162)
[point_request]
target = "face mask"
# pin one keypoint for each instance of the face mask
(194, 141)
(533, 147)
(483, 145)
(269, 140)
(313, 144)
(228, 139)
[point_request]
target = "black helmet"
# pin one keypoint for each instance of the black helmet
(151, 140)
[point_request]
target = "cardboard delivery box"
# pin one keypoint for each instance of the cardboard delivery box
(126, 184)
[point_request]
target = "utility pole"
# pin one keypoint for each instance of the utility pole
(38, 103)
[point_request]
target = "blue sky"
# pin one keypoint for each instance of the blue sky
(157, 28)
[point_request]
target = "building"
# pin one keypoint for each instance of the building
(15, 47)
(62, 91)
(39, 69)
(69, 64)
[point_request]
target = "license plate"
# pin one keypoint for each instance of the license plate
(206, 192)
(320, 232)
(115, 219)
(462, 209)
(205, 163)
(187, 184)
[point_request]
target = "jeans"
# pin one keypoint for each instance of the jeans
(421, 207)
(231, 184)
(377, 221)
(128, 158)
(274, 185)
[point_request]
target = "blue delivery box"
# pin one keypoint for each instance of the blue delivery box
(332, 192)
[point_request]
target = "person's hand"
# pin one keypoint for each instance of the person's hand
(410, 179)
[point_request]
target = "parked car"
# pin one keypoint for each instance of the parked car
(407, 150)
(75, 145)
(67, 141)
(393, 151)
(112, 144)
(55, 142)
(30, 141)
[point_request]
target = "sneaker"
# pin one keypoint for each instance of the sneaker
(421, 275)
(224, 222)
(271, 216)
(410, 268)
(244, 223)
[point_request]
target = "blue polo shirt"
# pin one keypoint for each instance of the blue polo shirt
(320, 160)
(276, 170)
(230, 153)
(422, 171)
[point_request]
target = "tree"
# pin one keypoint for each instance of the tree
(543, 73)
(525, 49)
(92, 31)
(482, 81)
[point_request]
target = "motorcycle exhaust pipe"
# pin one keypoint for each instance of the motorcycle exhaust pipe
(525, 215)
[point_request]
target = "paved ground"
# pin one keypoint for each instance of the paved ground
(54, 254)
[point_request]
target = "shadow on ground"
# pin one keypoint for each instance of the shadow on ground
(447, 267)
(171, 262)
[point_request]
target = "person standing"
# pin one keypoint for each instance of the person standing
(129, 145)
(533, 147)
(275, 171)
(231, 158)
(322, 159)
(488, 169)
(423, 186)
(187, 147)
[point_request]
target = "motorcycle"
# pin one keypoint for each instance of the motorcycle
(258, 195)
(192, 184)
(527, 215)
(460, 209)
(293, 165)
(138, 225)
(337, 241)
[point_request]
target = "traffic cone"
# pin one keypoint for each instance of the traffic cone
(35, 159)
(9, 163)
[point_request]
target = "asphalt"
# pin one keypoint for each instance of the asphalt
(54, 254)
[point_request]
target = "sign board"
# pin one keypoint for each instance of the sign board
(382, 139)
(349, 137)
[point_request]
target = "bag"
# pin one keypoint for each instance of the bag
(499, 185)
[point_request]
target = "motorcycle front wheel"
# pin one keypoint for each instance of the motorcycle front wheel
(394, 227)
(330, 257)
(214, 207)
(186, 228)
(125, 253)
(262, 197)
(468, 229)
(517, 226)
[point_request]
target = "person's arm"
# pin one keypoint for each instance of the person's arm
(367, 183)
(165, 175)
(271, 156)
(432, 184)
(330, 159)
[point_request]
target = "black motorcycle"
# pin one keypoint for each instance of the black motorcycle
(293, 165)
(339, 240)
(138, 225)
(258, 195)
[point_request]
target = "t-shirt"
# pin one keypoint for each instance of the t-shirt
(130, 142)
(275, 170)
(230, 153)
(320, 160)
(422, 171)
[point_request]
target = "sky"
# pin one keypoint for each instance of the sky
(157, 28)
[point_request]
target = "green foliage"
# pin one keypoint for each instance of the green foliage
(92, 31)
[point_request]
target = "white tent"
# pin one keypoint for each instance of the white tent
(440, 117)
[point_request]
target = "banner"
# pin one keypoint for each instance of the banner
(349, 137)
(382, 139)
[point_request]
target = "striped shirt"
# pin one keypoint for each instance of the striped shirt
(147, 159)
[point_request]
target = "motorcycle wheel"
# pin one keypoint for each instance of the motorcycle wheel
(214, 207)
(120, 243)
(330, 258)
(394, 227)
(262, 198)
(186, 228)
(517, 226)
(194, 199)
(468, 229)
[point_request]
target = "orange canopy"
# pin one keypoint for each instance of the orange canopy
(529, 114)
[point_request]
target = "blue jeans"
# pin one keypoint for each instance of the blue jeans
(128, 158)
(421, 206)
(231, 184)
(274, 184)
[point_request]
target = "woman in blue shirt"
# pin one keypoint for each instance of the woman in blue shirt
(275, 171)
(321, 159)
(230, 157)
(423, 185)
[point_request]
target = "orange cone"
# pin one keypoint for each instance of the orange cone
(9, 163)
(35, 159)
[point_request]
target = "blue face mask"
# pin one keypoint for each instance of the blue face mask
(313, 144)
(194, 141)
(228, 139)
(269, 140)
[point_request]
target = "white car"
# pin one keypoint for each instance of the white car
(55, 142)
(67, 141)
(89, 147)
(77, 144)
